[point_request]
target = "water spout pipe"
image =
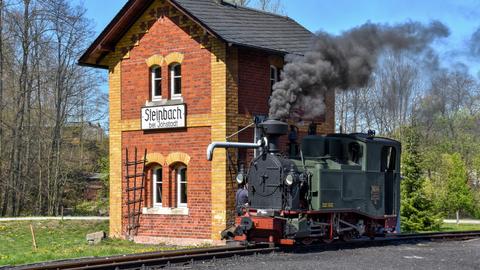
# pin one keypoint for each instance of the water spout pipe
(211, 147)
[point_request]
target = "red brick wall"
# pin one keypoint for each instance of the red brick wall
(254, 93)
(166, 37)
(193, 142)
(163, 38)
(253, 82)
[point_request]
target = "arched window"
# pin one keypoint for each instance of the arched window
(157, 186)
(175, 80)
(273, 77)
(156, 82)
(181, 177)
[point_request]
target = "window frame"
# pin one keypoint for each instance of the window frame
(154, 185)
(172, 80)
(275, 77)
(153, 80)
(179, 181)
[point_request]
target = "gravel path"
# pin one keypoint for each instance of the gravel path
(426, 255)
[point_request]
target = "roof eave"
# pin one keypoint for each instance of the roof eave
(83, 64)
(101, 44)
(273, 51)
(105, 42)
(196, 19)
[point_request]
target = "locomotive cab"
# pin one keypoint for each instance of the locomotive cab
(354, 172)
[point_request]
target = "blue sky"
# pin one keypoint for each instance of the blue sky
(335, 16)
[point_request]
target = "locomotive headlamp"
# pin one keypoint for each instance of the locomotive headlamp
(240, 178)
(289, 179)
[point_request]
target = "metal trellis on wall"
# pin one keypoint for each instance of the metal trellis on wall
(134, 187)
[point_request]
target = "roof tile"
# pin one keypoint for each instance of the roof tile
(250, 27)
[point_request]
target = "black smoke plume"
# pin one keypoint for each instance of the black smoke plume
(343, 62)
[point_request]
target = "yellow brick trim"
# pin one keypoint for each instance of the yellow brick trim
(115, 152)
(218, 133)
(174, 57)
(199, 120)
(243, 120)
(276, 61)
(156, 158)
(155, 60)
(194, 120)
(177, 157)
(232, 127)
(131, 124)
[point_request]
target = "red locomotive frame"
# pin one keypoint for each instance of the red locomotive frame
(270, 229)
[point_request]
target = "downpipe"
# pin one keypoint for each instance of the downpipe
(211, 147)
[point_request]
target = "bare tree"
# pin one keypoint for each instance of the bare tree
(42, 92)
(2, 184)
(395, 83)
(241, 2)
(274, 6)
(387, 102)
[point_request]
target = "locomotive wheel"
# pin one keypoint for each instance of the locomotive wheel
(347, 237)
(328, 240)
(307, 241)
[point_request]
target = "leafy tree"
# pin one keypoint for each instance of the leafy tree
(451, 182)
(417, 211)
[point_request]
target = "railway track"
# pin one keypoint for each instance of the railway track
(158, 260)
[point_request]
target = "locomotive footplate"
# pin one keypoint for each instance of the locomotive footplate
(259, 228)
(390, 223)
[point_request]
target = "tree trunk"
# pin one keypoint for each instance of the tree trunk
(3, 184)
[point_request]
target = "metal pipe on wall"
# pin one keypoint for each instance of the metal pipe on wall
(211, 147)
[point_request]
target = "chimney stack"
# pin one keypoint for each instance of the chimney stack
(273, 129)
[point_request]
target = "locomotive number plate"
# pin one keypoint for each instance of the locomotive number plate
(328, 205)
(375, 193)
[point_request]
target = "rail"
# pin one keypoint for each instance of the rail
(190, 256)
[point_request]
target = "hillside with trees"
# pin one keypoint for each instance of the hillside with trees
(47, 106)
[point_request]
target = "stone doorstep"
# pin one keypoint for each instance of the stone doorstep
(171, 241)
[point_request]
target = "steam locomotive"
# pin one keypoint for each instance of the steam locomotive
(341, 186)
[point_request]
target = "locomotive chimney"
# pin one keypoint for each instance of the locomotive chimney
(273, 129)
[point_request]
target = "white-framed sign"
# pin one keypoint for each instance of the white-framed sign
(164, 117)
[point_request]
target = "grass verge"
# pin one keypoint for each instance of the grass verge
(66, 239)
(460, 227)
(60, 240)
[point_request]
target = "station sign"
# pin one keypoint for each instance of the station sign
(164, 117)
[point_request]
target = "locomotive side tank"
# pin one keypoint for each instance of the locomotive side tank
(353, 172)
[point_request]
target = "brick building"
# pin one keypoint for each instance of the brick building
(184, 73)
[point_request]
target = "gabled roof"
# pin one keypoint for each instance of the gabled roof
(250, 27)
(233, 24)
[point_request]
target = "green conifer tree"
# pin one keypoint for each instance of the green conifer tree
(456, 195)
(417, 211)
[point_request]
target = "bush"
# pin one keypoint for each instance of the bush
(92, 208)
